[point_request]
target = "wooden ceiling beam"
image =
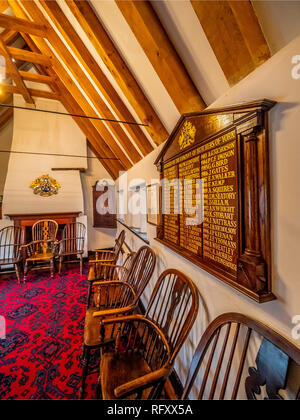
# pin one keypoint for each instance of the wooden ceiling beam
(89, 89)
(35, 13)
(9, 36)
(234, 34)
(149, 32)
(5, 97)
(91, 25)
(13, 70)
(91, 66)
(89, 127)
(33, 48)
(6, 116)
(3, 5)
(29, 56)
(251, 31)
(22, 25)
(38, 78)
(32, 92)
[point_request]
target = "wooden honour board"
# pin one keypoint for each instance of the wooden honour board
(215, 195)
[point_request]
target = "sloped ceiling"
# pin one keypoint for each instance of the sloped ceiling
(140, 62)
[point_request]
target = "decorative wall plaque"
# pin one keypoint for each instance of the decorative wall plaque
(45, 186)
(215, 200)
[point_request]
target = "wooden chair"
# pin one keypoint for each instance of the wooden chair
(41, 251)
(72, 242)
(146, 346)
(118, 294)
(109, 256)
(10, 243)
(227, 356)
(101, 257)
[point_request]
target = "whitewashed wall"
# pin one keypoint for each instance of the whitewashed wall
(44, 133)
(272, 80)
(6, 134)
(97, 237)
(51, 134)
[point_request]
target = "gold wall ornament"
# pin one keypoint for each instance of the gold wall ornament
(187, 135)
(45, 186)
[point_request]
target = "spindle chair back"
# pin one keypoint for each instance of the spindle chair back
(10, 243)
(241, 358)
(146, 346)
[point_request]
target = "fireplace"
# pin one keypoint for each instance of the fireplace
(26, 221)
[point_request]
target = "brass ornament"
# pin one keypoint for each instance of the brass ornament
(187, 135)
(45, 186)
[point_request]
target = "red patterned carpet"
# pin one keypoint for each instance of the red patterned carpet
(40, 356)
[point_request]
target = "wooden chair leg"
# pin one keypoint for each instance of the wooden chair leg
(90, 289)
(52, 268)
(80, 264)
(98, 392)
(17, 272)
(85, 370)
(60, 265)
(25, 272)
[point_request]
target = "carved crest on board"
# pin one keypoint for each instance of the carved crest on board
(45, 186)
(187, 135)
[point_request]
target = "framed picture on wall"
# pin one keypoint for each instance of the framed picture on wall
(153, 213)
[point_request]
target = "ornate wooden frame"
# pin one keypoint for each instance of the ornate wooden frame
(249, 123)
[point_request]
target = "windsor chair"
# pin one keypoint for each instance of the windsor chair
(10, 243)
(72, 243)
(111, 256)
(224, 359)
(146, 346)
(104, 256)
(40, 252)
(118, 294)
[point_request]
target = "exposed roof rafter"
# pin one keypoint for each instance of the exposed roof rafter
(155, 42)
(21, 25)
(90, 23)
(80, 78)
(91, 66)
(13, 70)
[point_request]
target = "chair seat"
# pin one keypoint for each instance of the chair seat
(119, 368)
(41, 256)
(91, 334)
(63, 253)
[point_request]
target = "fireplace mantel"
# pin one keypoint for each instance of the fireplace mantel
(29, 219)
(24, 221)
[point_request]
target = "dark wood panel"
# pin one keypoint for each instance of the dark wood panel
(104, 219)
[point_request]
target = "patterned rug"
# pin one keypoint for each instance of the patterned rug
(40, 356)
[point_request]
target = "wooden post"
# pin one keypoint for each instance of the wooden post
(251, 265)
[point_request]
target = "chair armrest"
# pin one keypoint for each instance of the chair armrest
(143, 382)
(114, 266)
(114, 312)
(29, 247)
(137, 318)
(92, 275)
(106, 283)
(101, 261)
(102, 250)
